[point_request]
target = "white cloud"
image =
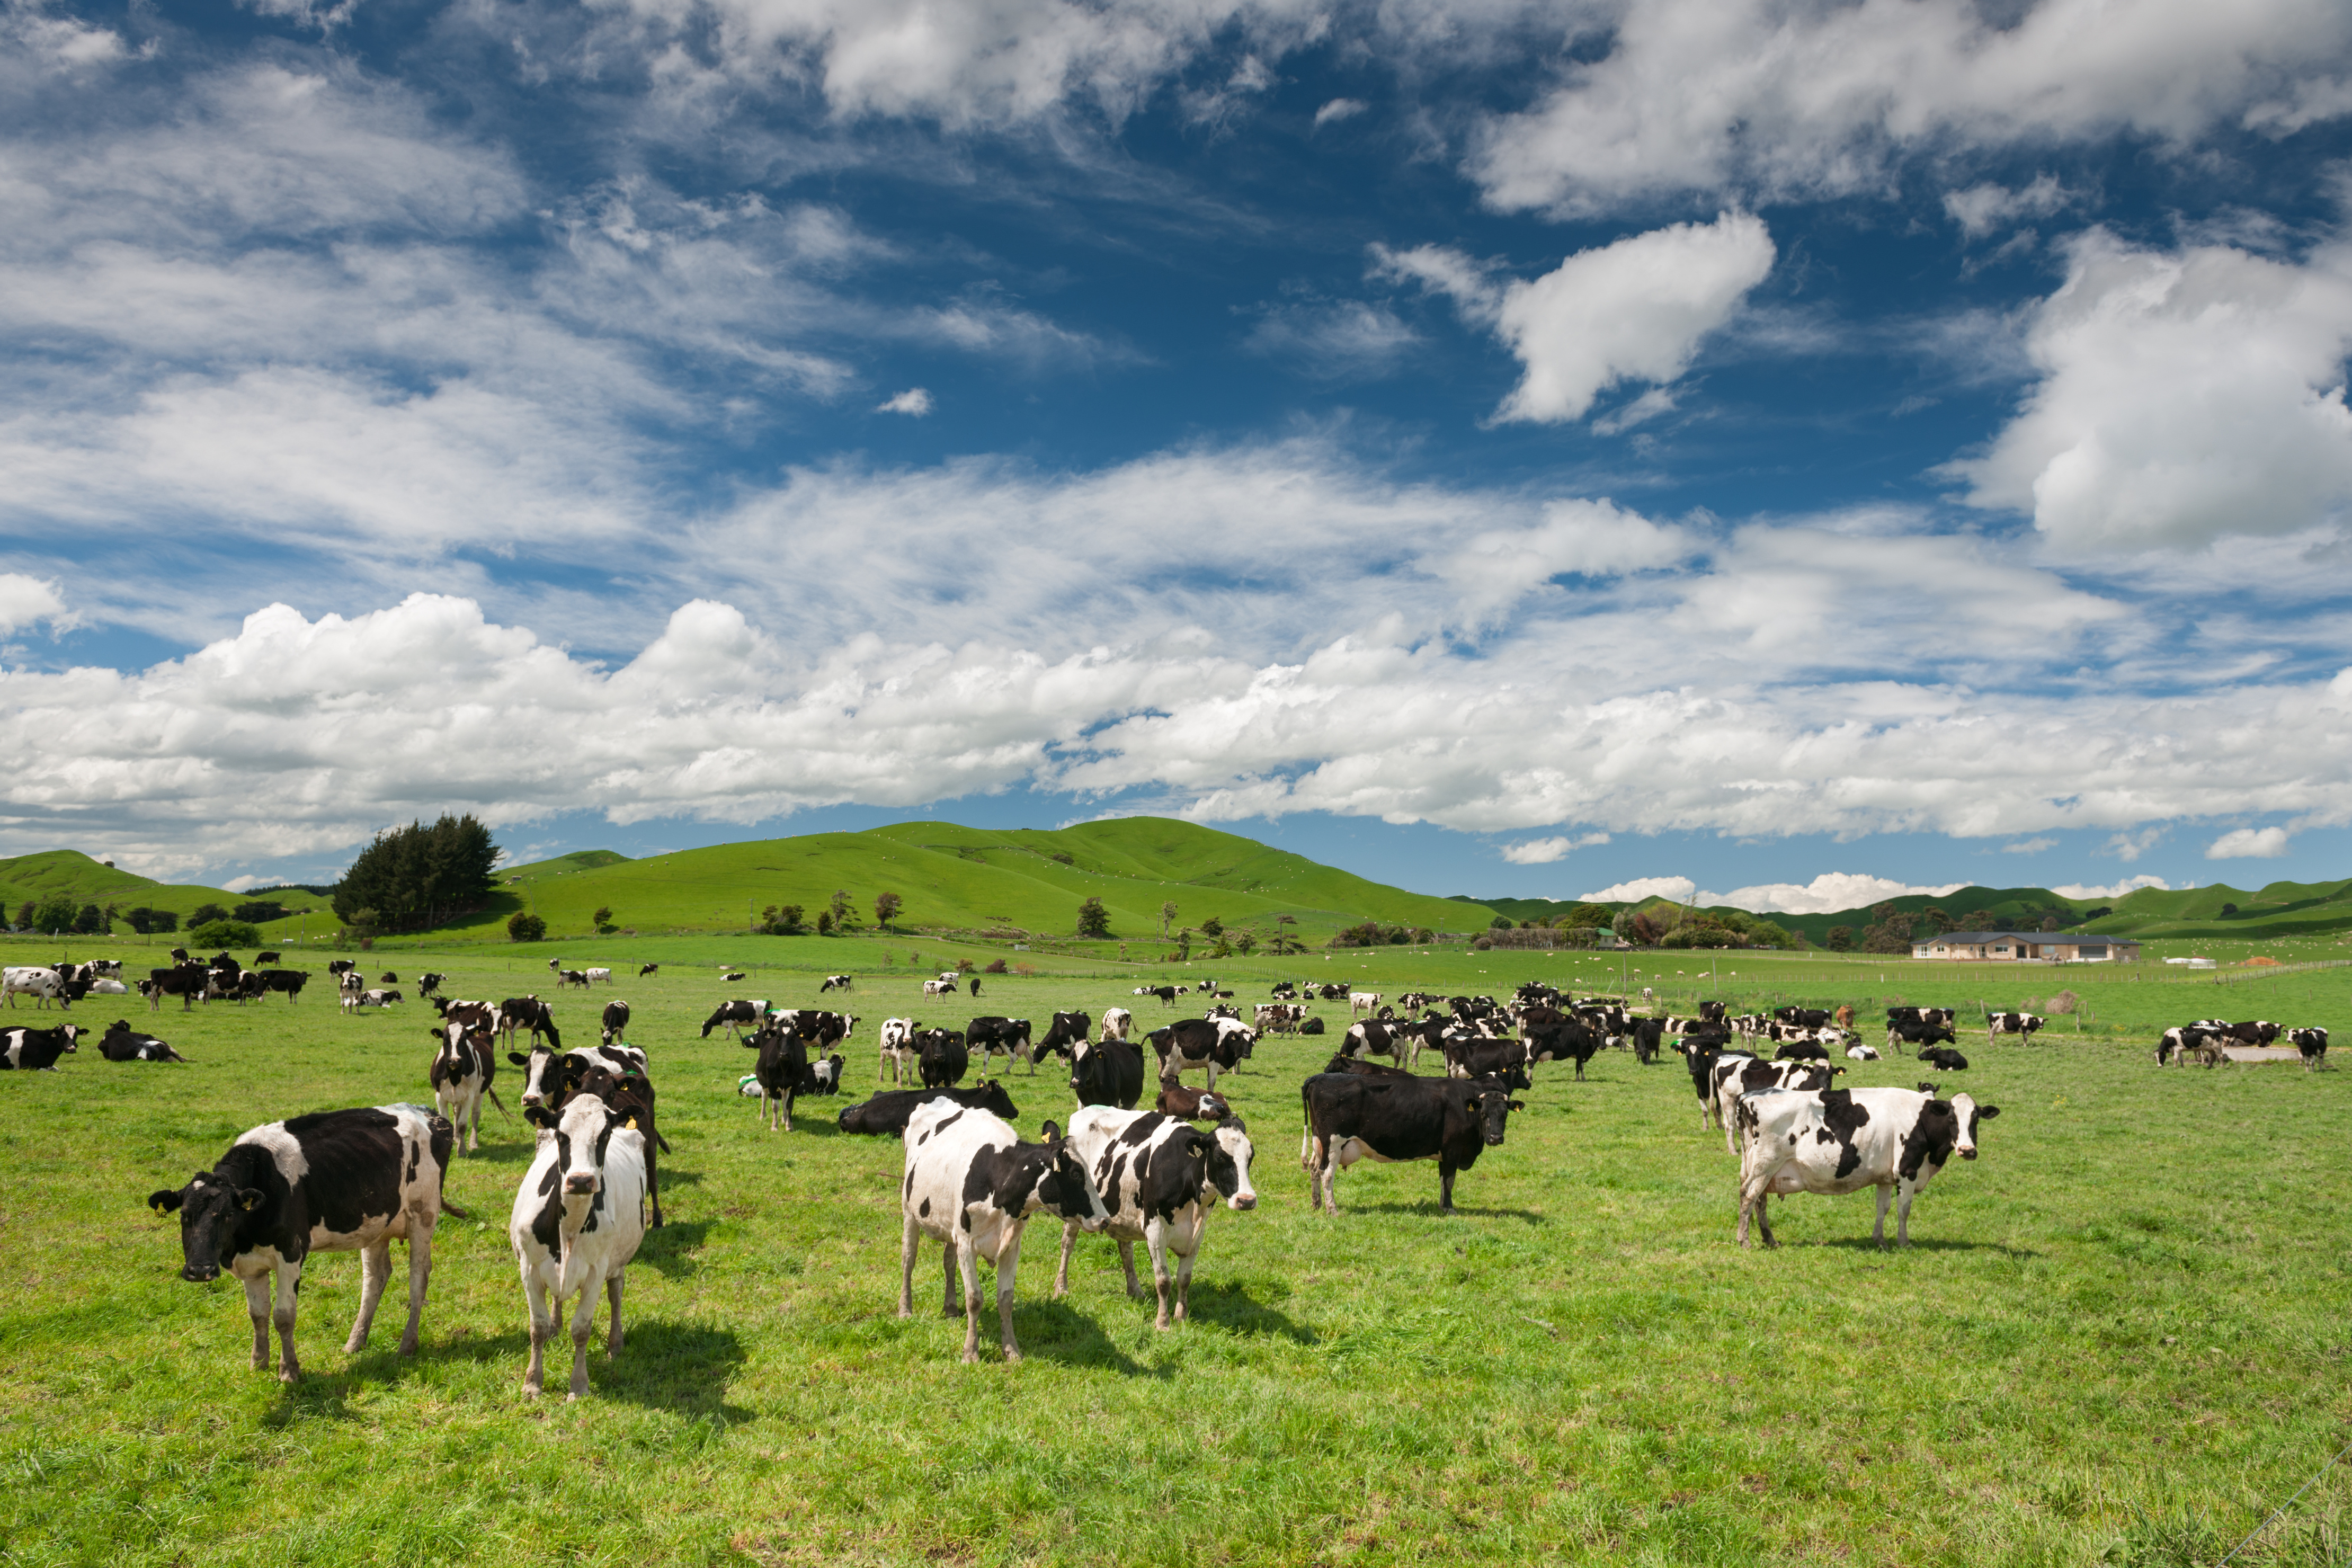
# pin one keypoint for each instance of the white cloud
(1331, 338)
(1754, 99)
(2029, 846)
(914, 401)
(26, 600)
(1981, 209)
(2080, 891)
(1633, 311)
(2130, 846)
(1544, 851)
(2248, 844)
(1337, 110)
(1829, 891)
(2183, 396)
(1681, 889)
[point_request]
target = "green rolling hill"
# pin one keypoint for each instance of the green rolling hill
(86, 881)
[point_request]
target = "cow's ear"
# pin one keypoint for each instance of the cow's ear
(519, 1059)
(1049, 1132)
(163, 1201)
(1986, 1113)
(250, 1198)
(539, 1116)
(1519, 1105)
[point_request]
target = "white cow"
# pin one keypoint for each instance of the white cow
(40, 982)
(1363, 1003)
(1160, 1176)
(1841, 1140)
(603, 974)
(897, 1049)
(1116, 1022)
(590, 1162)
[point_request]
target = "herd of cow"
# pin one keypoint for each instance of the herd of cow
(358, 1180)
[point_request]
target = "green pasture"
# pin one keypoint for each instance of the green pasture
(2120, 1338)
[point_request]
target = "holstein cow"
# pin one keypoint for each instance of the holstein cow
(549, 1075)
(1840, 1141)
(1192, 1104)
(336, 1180)
(1862, 1053)
(599, 976)
(1569, 1040)
(1068, 1031)
(1945, 1058)
(834, 983)
(2021, 1025)
(1278, 1018)
(571, 977)
(579, 1218)
(1363, 1003)
(289, 980)
(736, 1015)
(463, 1066)
(1007, 1038)
(37, 1050)
(1116, 1022)
(940, 1058)
(426, 984)
(1348, 1118)
(938, 988)
(2313, 1044)
(649, 969)
(1911, 1032)
(1107, 1072)
(1735, 1076)
(42, 983)
(124, 1044)
(1160, 1178)
(2252, 1032)
(971, 1185)
(1920, 1015)
(782, 1071)
(614, 1022)
(185, 980)
(898, 1048)
(1208, 1043)
(1167, 994)
(885, 1115)
(372, 998)
(268, 956)
(2189, 1040)
(1503, 1060)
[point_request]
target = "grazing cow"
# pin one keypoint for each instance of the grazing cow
(579, 1218)
(1159, 1178)
(37, 1050)
(1503, 1059)
(1735, 1076)
(1108, 1072)
(426, 984)
(1192, 1104)
(1801, 1051)
(1911, 1032)
(1945, 1058)
(2021, 1025)
(1570, 1040)
(289, 980)
(1116, 1022)
(1862, 1053)
(1840, 1141)
(270, 956)
(736, 1014)
(2313, 1044)
(1350, 1118)
(42, 983)
(185, 980)
(1167, 994)
(571, 977)
(1802, 1018)
(463, 1066)
(1939, 1016)
(615, 1021)
(1068, 1031)
(124, 1044)
(971, 1184)
(834, 983)
(1363, 1003)
(335, 1181)
(649, 969)
(1008, 1038)
(885, 1114)
(2191, 1040)
(941, 1057)
(596, 976)
(897, 1043)
(1208, 1043)
(940, 987)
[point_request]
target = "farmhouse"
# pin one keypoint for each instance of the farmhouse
(2026, 947)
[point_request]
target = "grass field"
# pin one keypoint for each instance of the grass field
(2121, 1337)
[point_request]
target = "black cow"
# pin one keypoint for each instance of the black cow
(1107, 1073)
(1570, 1040)
(1167, 994)
(941, 1057)
(185, 980)
(426, 984)
(272, 956)
(616, 1021)
(649, 969)
(735, 1015)
(988, 1037)
(336, 1180)
(1067, 1030)
(1945, 1060)
(1503, 1059)
(389, 978)
(885, 1114)
(1803, 1018)
(1649, 1034)
(783, 1070)
(1451, 1120)
(2313, 1044)
(37, 1050)
(1801, 1051)
(1312, 1027)
(289, 980)
(518, 1013)
(124, 1044)
(1912, 1032)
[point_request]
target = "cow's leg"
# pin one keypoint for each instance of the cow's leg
(376, 1267)
(583, 1323)
(420, 1275)
(1902, 1212)
(1878, 1231)
(613, 1301)
(542, 1327)
(1126, 1262)
(652, 1173)
(281, 1312)
(789, 1092)
(257, 1306)
(963, 1261)
(1008, 1273)
(909, 1238)
(950, 1298)
(1155, 1241)
(1062, 1274)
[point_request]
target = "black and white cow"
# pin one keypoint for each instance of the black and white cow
(971, 1185)
(1802, 1018)
(1007, 1038)
(2313, 1044)
(1166, 994)
(1805, 1050)
(885, 1115)
(732, 975)
(464, 1064)
(373, 998)
(1945, 1058)
(649, 969)
(571, 977)
(2021, 1025)
(737, 1015)
(37, 1050)
(1207, 1043)
(897, 1049)
(598, 976)
(1107, 1072)
(185, 980)
(1067, 1030)
(1920, 1015)
(337, 967)
(1735, 1076)
(550, 1075)
(1841, 1140)
(41, 983)
(2186, 1041)
(614, 1024)
(1350, 1118)
(819, 1031)
(578, 1219)
(1159, 1178)
(1860, 1053)
(124, 1044)
(940, 987)
(1118, 1023)
(1278, 1018)
(335, 1181)
(1912, 1032)
(426, 984)
(2253, 1032)
(1284, 990)
(836, 983)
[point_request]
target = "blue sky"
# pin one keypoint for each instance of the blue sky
(1499, 448)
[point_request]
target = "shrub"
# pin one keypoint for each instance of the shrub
(824, 922)
(1093, 920)
(963, 966)
(1214, 926)
(206, 914)
(91, 920)
(886, 907)
(224, 933)
(784, 920)
(995, 966)
(1500, 922)
(524, 926)
(2064, 1002)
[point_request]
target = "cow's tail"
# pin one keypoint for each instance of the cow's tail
(500, 1103)
(449, 1208)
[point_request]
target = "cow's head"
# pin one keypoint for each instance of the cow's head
(1968, 1112)
(1230, 1152)
(211, 1210)
(1495, 1106)
(543, 1082)
(72, 1032)
(581, 1131)
(1066, 1188)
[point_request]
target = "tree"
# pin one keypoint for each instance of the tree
(524, 926)
(1500, 922)
(417, 877)
(1245, 942)
(886, 909)
(55, 915)
(601, 920)
(784, 921)
(2048, 923)
(25, 912)
(843, 915)
(259, 911)
(824, 922)
(1838, 939)
(224, 933)
(1093, 920)
(1214, 926)
(151, 922)
(1166, 916)
(91, 922)
(204, 914)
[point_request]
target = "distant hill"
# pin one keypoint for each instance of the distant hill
(955, 878)
(88, 881)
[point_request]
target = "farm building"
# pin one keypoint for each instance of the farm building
(2026, 947)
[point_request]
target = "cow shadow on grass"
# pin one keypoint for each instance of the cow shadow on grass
(1232, 1308)
(1918, 1243)
(663, 1364)
(1059, 1332)
(1461, 1211)
(670, 1251)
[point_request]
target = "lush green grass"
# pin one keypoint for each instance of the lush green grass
(2120, 1338)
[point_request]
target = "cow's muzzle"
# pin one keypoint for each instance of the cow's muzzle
(583, 1185)
(200, 1273)
(1967, 1153)
(1245, 1203)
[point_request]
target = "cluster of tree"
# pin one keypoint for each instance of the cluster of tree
(226, 933)
(838, 918)
(414, 878)
(151, 923)
(1675, 926)
(524, 926)
(1371, 934)
(1579, 917)
(58, 915)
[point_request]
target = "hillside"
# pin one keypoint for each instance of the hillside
(2009, 905)
(957, 878)
(86, 881)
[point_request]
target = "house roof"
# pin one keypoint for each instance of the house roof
(1978, 938)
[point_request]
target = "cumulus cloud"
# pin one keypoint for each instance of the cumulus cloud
(2183, 395)
(2084, 890)
(1756, 98)
(1983, 207)
(1829, 891)
(2029, 846)
(1636, 309)
(914, 400)
(1545, 851)
(26, 600)
(1338, 109)
(2248, 844)
(1681, 889)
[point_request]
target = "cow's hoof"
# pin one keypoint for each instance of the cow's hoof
(1010, 1355)
(408, 1344)
(291, 1375)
